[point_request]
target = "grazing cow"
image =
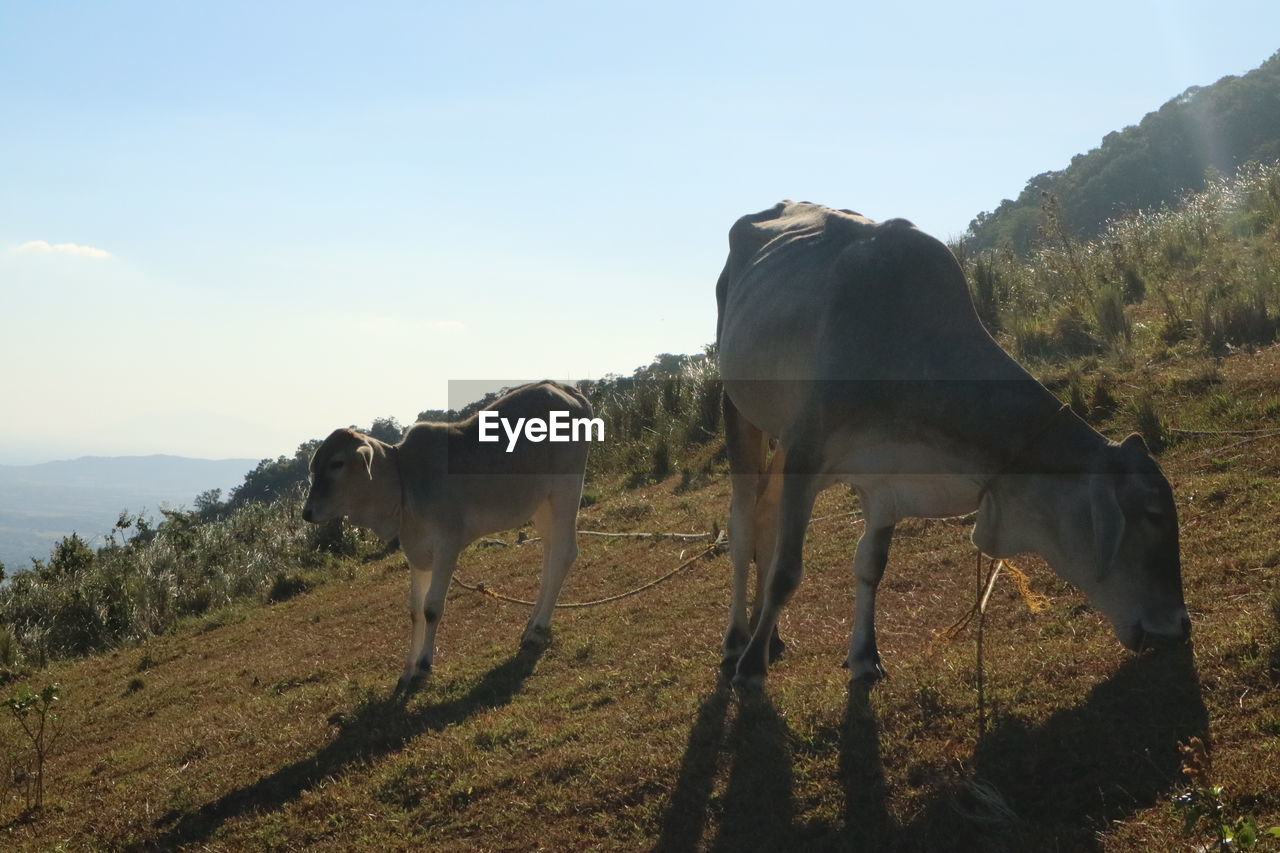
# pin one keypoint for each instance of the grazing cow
(442, 487)
(856, 345)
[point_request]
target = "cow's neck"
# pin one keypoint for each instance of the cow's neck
(1038, 434)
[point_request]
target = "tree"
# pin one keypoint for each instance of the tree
(386, 429)
(274, 478)
(209, 503)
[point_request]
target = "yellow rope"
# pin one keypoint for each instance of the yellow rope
(1035, 601)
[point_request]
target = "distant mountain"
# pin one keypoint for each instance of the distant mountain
(39, 504)
(1156, 162)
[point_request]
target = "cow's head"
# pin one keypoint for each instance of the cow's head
(1112, 532)
(351, 476)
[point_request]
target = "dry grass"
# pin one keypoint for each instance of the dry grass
(275, 726)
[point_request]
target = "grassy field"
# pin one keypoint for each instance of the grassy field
(276, 727)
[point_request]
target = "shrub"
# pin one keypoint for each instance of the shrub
(82, 601)
(1108, 313)
(35, 715)
(1148, 422)
(1103, 403)
(1072, 336)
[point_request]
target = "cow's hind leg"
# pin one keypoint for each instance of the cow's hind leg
(868, 567)
(556, 521)
(799, 489)
(746, 447)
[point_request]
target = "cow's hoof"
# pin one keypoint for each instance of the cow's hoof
(734, 644)
(728, 668)
(776, 647)
(747, 685)
(749, 675)
(865, 672)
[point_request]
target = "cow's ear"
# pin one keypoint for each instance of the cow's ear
(1135, 443)
(987, 534)
(1108, 523)
(366, 453)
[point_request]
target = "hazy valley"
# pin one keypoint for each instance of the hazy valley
(40, 504)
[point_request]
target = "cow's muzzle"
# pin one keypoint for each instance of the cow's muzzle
(1175, 633)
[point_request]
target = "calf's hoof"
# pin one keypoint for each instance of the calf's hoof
(407, 685)
(413, 675)
(535, 638)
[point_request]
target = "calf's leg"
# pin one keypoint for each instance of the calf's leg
(427, 589)
(556, 521)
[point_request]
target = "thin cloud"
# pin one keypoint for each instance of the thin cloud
(381, 324)
(44, 247)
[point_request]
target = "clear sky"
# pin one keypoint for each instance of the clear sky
(226, 228)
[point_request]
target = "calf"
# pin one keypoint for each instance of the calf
(447, 484)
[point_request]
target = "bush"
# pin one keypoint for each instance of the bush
(1149, 423)
(1108, 312)
(82, 601)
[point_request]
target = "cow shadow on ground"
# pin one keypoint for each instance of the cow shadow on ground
(1057, 784)
(1066, 779)
(757, 808)
(376, 727)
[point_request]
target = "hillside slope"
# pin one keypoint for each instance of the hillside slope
(1217, 127)
(275, 727)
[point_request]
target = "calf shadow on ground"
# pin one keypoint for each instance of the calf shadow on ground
(1063, 779)
(377, 728)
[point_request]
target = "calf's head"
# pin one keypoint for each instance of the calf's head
(351, 476)
(1112, 532)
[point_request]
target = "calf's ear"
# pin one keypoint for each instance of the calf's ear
(366, 453)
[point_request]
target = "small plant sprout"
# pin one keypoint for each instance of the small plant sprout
(34, 713)
(1204, 802)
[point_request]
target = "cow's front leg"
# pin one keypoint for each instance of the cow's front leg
(868, 567)
(746, 447)
(741, 549)
(766, 536)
